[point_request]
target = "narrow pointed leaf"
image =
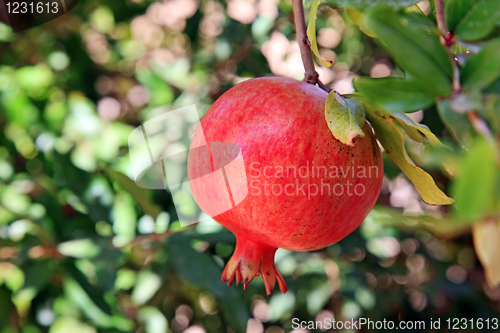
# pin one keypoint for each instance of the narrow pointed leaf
(394, 94)
(416, 50)
(479, 21)
(444, 226)
(358, 17)
(481, 70)
(455, 10)
(474, 189)
(410, 125)
(311, 33)
(457, 123)
(94, 294)
(345, 117)
(206, 275)
(416, 131)
(392, 140)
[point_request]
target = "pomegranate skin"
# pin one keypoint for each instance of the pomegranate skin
(306, 189)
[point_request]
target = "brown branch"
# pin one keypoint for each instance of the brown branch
(324, 87)
(310, 75)
(447, 40)
(156, 238)
(441, 21)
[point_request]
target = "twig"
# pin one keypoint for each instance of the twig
(310, 75)
(324, 87)
(156, 238)
(441, 21)
(446, 39)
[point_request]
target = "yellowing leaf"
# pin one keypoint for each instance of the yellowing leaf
(358, 18)
(414, 129)
(344, 117)
(486, 237)
(311, 33)
(392, 140)
(410, 125)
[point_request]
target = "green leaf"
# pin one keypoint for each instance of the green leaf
(474, 187)
(363, 4)
(344, 117)
(206, 275)
(494, 87)
(394, 94)
(416, 131)
(482, 69)
(143, 196)
(445, 226)
(458, 124)
(95, 295)
(392, 140)
(38, 273)
(455, 10)
(414, 49)
(492, 107)
(6, 306)
(413, 128)
(479, 21)
(358, 17)
(74, 292)
(311, 33)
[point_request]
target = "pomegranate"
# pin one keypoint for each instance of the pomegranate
(305, 190)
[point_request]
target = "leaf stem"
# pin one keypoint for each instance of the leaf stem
(310, 75)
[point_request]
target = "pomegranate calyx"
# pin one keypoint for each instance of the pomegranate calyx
(251, 259)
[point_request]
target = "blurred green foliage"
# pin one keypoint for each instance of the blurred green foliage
(84, 249)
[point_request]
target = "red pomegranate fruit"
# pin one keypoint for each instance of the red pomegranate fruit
(303, 189)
